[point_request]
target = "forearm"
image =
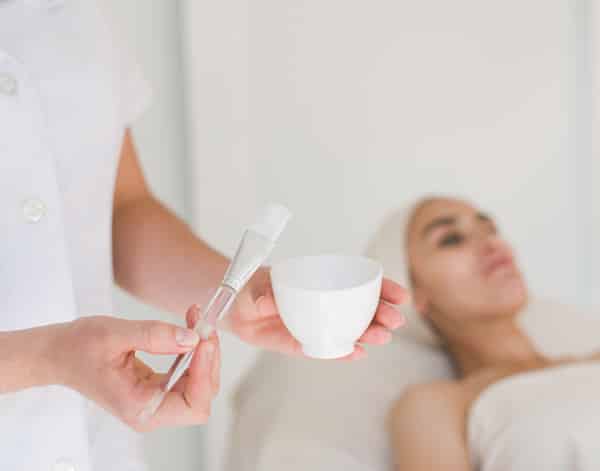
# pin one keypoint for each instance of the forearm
(158, 258)
(26, 358)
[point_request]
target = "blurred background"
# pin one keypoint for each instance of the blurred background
(344, 110)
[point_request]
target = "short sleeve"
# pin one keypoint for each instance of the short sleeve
(133, 91)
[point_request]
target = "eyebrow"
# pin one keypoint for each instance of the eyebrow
(439, 222)
(484, 217)
(450, 221)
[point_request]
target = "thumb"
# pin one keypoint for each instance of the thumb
(159, 337)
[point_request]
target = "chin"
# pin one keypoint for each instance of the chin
(513, 295)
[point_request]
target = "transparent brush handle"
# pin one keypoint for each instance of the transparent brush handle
(216, 308)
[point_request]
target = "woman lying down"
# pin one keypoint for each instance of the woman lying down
(510, 408)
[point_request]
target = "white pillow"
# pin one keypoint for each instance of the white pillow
(299, 414)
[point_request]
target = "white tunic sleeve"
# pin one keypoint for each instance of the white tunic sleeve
(134, 91)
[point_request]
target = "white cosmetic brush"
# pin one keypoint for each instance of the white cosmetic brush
(256, 245)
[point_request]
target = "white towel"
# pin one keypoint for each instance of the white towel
(545, 420)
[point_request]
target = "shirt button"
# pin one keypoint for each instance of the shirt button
(64, 465)
(8, 84)
(33, 209)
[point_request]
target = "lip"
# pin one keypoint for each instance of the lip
(498, 263)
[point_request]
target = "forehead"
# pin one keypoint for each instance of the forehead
(430, 210)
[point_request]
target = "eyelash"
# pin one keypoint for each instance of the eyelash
(451, 239)
(455, 238)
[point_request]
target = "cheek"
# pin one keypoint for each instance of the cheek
(451, 277)
(454, 283)
(452, 269)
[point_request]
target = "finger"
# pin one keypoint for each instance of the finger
(158, 337)
(266, 303)
(273, 332)
(358, 354)
(389, 316)
(216, 368)
(261, 283)
(192, 316)
(393, 293)
(376, 334)
(198, 389)
(188, 403)
(174, 411)
(140, 368)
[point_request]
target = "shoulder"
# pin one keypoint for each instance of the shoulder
(445, 391)
(422, 401)
(425, 417)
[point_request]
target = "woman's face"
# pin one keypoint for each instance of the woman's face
(461, 267)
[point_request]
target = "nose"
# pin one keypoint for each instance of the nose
(489, 242)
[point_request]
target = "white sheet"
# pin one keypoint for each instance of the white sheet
(285, 404)
(547, 420)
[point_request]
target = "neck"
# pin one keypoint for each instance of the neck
(490, 344)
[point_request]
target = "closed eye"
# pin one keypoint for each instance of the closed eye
(451, 239)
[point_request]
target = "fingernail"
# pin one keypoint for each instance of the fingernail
(186, 337)
(195, 313)
(206, 330)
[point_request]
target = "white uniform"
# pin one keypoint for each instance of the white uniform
(67, 94)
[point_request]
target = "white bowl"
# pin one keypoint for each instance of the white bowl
(327, 301)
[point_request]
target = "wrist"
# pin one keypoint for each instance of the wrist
(27, 358)
(51, 358)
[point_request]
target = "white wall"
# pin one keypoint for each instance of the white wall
(593, 22)
(153, 34)
(343, 110)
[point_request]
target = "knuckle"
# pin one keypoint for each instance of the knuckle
(123, 409)
(94, 332)
(152, 335)
(134, 420)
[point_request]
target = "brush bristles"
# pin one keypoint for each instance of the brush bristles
(272, 221)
